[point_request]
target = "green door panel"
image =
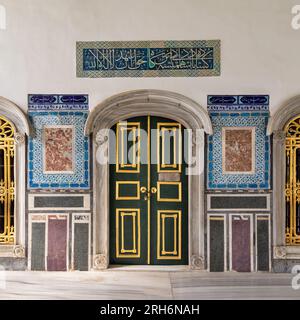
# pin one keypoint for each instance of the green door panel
(148, 203)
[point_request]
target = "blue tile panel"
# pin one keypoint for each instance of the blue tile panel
(238, 103)
(148, 58)
(38, 102)
(71, 112)
(234, 111)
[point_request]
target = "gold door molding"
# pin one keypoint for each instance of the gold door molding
(121, 250)
(162, 252)
(123, 131)
(169, 130)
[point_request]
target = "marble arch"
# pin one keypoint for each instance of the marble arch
(157, 103)
(277, 122)
(15, 115)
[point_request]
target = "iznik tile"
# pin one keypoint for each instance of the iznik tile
(148, 58)
(54, 102)
(58, 154)
(239, 150)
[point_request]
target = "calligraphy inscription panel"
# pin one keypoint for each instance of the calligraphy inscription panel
(148, 59)
(238, 146)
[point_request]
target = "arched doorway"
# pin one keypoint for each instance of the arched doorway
(282, 126)
(14, 127)
(292, 186)
(155, 103)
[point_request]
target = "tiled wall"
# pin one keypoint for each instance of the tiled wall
(58, 154)
(236, 160)
(59, 201)
(238, 184)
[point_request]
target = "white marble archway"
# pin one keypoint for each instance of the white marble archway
(277, 122)
(158, 103)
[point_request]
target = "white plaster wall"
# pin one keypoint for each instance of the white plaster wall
(260, 51)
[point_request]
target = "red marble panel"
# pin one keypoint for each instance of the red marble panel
(58, 146)
(237, 149)
(241, 244)
(57, 243)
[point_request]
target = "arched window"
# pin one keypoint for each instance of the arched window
(7, 182)
(292, 187)
(2, 17)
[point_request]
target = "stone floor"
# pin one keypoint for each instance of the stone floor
(132, 284)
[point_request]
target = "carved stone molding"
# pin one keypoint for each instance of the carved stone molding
(101, 137)
(19, 251)
(154, 102)
(19, 138)
(100, 262)
(15, 115)
(197, 262)
(197, 140)
(279, 135)
(280, 252)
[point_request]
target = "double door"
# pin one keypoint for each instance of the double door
(148, 192)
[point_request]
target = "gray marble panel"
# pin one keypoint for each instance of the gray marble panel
(61, 202)
(81, 246)
(216, 246)
(38, 246)
(262, 245)
(248, 202)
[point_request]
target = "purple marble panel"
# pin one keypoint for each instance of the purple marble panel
(241, 244)
(57, 243)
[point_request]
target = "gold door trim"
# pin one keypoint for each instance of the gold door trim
(161, 239)
(134, 252)
(216, 218)
(148, 187)
(121, 166)
(123, 182)
(175, 183)
(164, 217)
(162, 166)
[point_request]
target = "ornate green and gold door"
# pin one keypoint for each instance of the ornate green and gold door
(148, 192)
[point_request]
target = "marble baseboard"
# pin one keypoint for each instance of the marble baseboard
(13, 264)
(284, 265)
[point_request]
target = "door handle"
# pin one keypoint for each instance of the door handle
(147, 192)
(143, 189)
(153, 190)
